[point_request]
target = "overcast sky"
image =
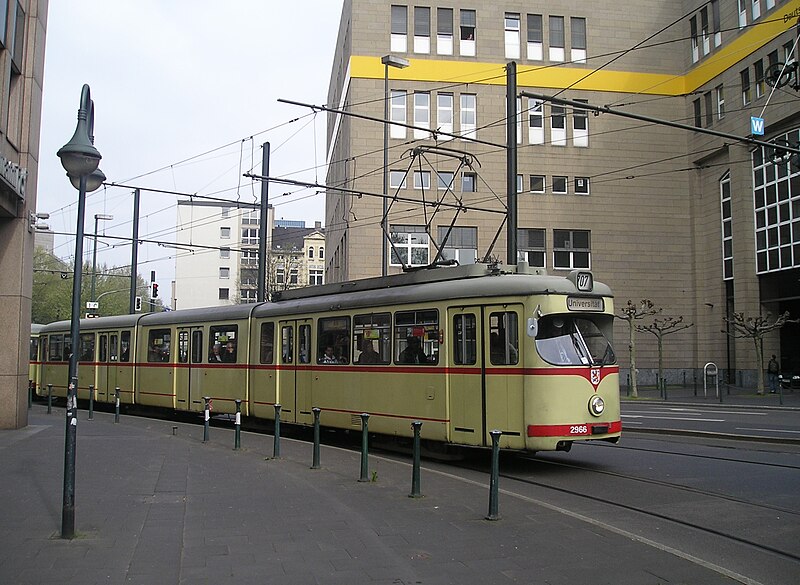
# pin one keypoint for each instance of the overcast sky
(172, 80)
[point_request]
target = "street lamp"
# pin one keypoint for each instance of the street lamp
(80, 159)
(399, 63)
(97, 217)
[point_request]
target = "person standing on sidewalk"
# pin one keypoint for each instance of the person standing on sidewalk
(772, 374)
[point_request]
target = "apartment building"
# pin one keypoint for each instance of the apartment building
(23, 25)
(702, 225)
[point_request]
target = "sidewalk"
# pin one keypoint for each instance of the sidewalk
(731, 395)
(155, 505)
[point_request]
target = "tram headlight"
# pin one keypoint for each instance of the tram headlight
(596, 405)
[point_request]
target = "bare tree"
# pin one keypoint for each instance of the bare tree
(660, 328)
(756, 328)
(630, 313)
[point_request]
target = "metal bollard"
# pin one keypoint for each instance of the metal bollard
(416, 425)
(206, 417)
(49, 399)
(91, 402)
(494, 479)
(237, 434)
(116, 404)
(364, 447)
(30, 394)
(315, 457)
(276, 446)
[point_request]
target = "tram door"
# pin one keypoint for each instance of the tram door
(189, 372)
(107, 366)
(294, 371)
(486, 381)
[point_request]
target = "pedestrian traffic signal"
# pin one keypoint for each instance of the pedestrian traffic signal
(154, 292)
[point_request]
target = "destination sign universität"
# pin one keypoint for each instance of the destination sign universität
(584, 304)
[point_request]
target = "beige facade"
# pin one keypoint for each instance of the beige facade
(638, 203)
(22, 41)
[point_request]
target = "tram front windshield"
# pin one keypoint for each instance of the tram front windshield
(575, 340)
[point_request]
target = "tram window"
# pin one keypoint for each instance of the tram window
(504, 338)
(34, 349)
(333, 340)
(158, 345)
(465, 343)
(56, 348)
(287, 344)
(416, 337)
(43, 349)
(304, 342)
(557, 342)
(102, 352)
(183, 347)
(67, 348)
(596, 336)
(125, 346)
(267, 343)
(223, 339)
(113, 349)
(86, 347)
(197, 347)
(372, 338)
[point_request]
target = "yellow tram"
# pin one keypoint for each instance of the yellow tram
(466, 350)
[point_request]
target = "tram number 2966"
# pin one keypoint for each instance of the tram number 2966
(578, 430)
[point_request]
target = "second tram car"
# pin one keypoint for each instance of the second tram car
(466, 350)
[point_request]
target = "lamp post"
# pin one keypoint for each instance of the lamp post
(399, 63)
(97, 217)
(80, 159)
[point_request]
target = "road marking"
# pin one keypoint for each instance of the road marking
(626, 416)
(768, 430)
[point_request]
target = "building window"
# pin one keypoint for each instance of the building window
(294, 274)
(226, 212)
(249, 257)
(559, 185)
(315, 277)
(461, 244)
(17, 40)
(444, 180)
(397, 179)
(422, 114)
(745, 76)
(224, 294)
(709, 109)
(558, 126)
(756, 9)
(251, 217)
(581, 185)
(398, 114)
(531, 246)
(571, 249)
(535, 37)
(720, 93)
(250, 236)
(512, 35)
(580, 126)
(742, 13)
(444, 31)
(399, 39)
(698, 113)
(248, 295)
(535, 122)
(468, 33)
(321, 253)
(557, 38)
(422, 29)
(280, 275)
(770, 4)
(537, 183)
(716, 23)
(224, 253)
(444, 112)
(758, 69)
(422, 180)
(225, 233)
(468, 114)
(311, 252)
(519, 183)
(469, 182)
(224, 272)
(409, 245)
(695, 39)
(704, 31)
(727, 226)
(578, 32)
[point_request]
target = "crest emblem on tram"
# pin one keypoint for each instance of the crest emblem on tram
(595, 377)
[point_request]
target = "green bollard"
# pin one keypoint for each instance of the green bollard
(116, 404)
(416, 425)
(206, 417)
(276, 446)
(30, 394)
(364, 447)
(49, 399)
(237, 435)
(91, 402)
(495, 477)
(315, 456)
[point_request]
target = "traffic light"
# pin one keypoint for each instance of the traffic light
(137, 305)
(154, 292)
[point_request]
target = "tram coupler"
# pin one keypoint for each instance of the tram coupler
(415, 493)
(494, 479)
(237, 434)
(315, 455)
(206, 417)
(276, 445)
(364, 447)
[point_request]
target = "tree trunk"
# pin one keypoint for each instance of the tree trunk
(632, 348)
(760, 365)
(661, 360)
